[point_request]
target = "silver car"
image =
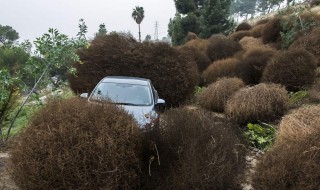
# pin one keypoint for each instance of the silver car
(136, 95)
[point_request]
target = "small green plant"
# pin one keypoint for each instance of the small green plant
(295, 97)
(260, 136)
(199, 89)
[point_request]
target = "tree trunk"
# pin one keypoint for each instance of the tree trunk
(139, 34)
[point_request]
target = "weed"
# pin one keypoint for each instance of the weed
(260, 136)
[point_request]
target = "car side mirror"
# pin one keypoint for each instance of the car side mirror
(160, 105)
(161, 101)
(84, 95)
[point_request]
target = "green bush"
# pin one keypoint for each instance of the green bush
(260, 136)
(71, 144)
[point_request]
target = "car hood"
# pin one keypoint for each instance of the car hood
(142, 114)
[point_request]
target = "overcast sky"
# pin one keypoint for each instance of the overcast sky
(32, 18)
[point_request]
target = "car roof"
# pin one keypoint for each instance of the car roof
(126, 80)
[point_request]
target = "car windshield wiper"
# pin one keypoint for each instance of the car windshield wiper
(127, 104)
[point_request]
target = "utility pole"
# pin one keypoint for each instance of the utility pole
(156, 27)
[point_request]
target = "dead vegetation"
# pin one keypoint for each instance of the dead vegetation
(262, 102)
(216, 95)
(71, 144)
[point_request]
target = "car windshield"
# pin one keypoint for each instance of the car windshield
(120, 93)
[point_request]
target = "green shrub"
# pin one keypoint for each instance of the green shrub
(202, 151)
(71, 144)
(294, 68)
(173, 73)
(295, 97)
(216, 95)
(259, 103)
(260, 136)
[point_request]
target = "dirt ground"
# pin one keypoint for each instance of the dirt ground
(5, 182)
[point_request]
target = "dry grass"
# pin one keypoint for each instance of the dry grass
(173, 73)
(294, 68)
(254, 60)
(310, 42)
(72, 144)
(216, 95)
(256, 31)
(299, 124)
(238, 35)
(271, 30)
(250, 43)
(294, 161)
(207, 151)
(219, 69)
(220, 47)
(262, 102)
(243, 26)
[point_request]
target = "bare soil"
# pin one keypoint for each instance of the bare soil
(5, 182)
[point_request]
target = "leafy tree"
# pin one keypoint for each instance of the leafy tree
(268, 5)
(53, 51)
(243, 7)
(8, 34)
(138, 16)
(215, 17)
(176, 31)
(102, 30)
(191, 23)
(148, 38)
(13, 58)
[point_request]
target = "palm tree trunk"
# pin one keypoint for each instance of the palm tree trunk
(139, 34)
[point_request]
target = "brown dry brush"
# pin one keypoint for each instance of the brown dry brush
(238, 35)
(72, 144)
(200, 57)
(243, 26)
(314, 92)
(294, 68)
(216, 95)
(271, 30)
(220, 47)
(251, 66)
(206, 151)
(256, 31)
(310, 42)
(173, 73)
(259, 103)
(250, 43)
(220, 69)
(294, 161)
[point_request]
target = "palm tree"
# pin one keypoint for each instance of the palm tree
(138, 16)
